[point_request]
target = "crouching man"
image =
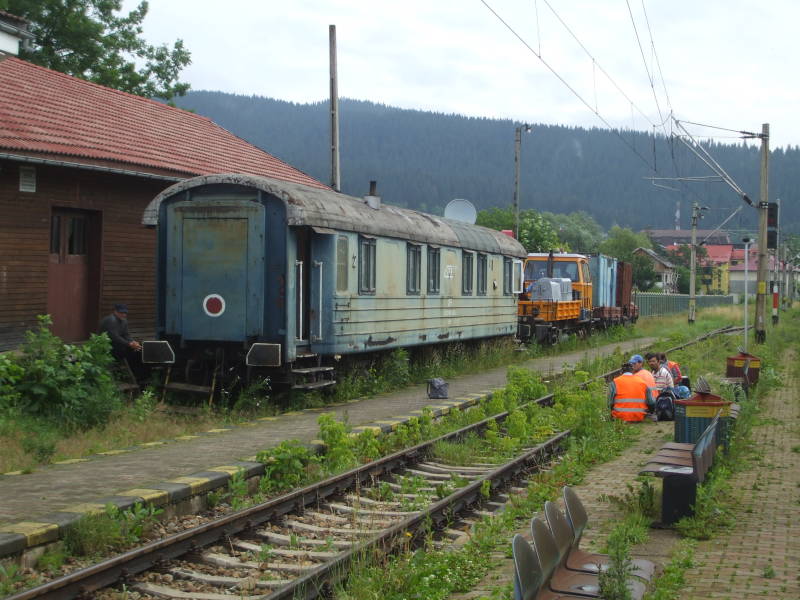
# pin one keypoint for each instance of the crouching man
(629, 397)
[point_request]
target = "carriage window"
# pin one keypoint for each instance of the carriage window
(507, 276)
(466, 273)
(413, 268)
(342, 256)
(366, 266)
(482, 274)
(434, 270)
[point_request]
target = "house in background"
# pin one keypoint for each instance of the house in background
(78, 165)
(677, 237)
(714, 269)
(667, 274)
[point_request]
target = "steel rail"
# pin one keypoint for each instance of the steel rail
(309, 585)
(132, 562)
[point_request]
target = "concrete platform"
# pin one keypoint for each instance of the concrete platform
(35, 507)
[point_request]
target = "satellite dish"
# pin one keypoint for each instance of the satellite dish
(461, 210)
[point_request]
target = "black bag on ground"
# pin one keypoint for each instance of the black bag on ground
(437, 389)
(665, 406)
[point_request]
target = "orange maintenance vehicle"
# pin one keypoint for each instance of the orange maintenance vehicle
(573, 293)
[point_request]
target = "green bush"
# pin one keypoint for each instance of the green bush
(70, 385)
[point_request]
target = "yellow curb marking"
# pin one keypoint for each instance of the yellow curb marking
(151, 444)
(393, 423)
(293, 413)
(113, 452)
(217, 430)
(70, 461)
(268, 418)
(229, 469)
(89, 508)
(35, 532)
(151, 496)
(317, 442)
(184, 438)
(195, 483)
(362, 428)
(13, 473)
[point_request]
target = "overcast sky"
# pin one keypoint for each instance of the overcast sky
(732, 63)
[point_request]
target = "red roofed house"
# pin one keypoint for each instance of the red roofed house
(78, 165)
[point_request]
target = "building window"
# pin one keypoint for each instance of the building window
(508, 276)
(434, 270)
(342, 260)
(482, 274)
(413, 268)
(366, 266)
(466, 273)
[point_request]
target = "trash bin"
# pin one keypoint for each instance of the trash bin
(745, 366)
(726, 425)
(692, 416)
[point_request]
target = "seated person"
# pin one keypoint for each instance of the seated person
(661, 374)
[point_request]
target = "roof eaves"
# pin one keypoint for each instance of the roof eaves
(88, 167)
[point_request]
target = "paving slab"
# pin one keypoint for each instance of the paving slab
(178, 464)
(759, 556)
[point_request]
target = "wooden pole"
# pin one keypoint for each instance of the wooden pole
(335, 171)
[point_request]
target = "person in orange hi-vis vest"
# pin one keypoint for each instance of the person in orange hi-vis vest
(637, 362)
(629, 396)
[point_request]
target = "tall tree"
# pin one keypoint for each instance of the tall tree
(91, 40)
(620, 243)
(535, 233)
(578, 230)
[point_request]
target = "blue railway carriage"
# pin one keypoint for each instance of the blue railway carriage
(266, 273)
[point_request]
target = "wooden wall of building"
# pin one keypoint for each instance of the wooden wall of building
(127, 249)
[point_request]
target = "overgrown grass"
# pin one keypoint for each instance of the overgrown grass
(29, 441)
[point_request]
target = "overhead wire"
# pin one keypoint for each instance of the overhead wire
(564, 81)
(644, 62)
(594, 61)
(655, 54)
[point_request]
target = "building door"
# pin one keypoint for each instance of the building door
(72, 283)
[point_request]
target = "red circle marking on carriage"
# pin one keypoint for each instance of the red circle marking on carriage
(214, 305)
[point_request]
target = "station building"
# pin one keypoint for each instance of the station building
(79, 163)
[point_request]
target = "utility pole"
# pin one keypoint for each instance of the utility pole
(763, 205)
(517, 156)
(746, 241)
(693, 265)
(776, 253)
(335, 172)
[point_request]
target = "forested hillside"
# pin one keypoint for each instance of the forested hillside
(422, 160)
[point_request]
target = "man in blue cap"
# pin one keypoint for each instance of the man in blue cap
(637, 362)
(115, 326)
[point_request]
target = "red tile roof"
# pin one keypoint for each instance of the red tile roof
(719, 253)
(56, 115)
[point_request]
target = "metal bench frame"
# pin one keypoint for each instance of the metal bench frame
(683, 467)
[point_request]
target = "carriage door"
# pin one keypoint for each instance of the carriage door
(72, 281)
(302, 275)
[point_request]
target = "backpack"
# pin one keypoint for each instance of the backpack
(665, 407)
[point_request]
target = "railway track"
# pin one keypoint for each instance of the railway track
(300, 544)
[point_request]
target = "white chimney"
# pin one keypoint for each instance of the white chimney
(372, 199)
(13, 32)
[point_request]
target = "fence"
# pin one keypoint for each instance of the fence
(652, 304)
